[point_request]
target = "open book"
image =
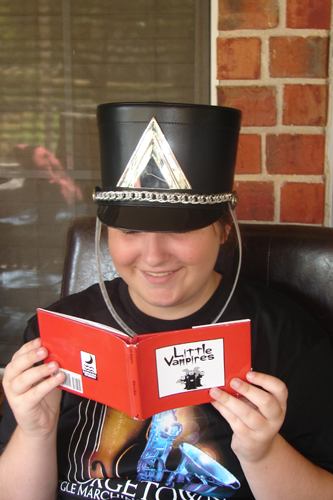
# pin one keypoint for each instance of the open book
(150, 373)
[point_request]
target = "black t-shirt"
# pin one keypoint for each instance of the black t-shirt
(185, 453)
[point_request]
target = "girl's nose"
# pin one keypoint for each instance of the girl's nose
(155, 250)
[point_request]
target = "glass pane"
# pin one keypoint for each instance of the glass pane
(58, 61)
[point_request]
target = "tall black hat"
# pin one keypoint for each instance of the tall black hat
(165, 167)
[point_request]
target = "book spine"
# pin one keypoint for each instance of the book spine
(134, 388)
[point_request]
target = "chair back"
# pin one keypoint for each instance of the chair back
(295, 260)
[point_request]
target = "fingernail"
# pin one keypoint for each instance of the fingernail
(250, 375)
(58, 375)
(36, 342)
(40, 352)
(51, 366)
(215, 392)
(235, 383)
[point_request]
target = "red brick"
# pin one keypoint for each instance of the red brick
(295, 154)
(298, 57)
(248, 14)
(249, 154)
(302, 203)
(313, 14)
(238, 58)
(258, 104)
(305, 105)
(255, 200)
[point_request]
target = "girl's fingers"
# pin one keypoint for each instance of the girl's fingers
(44, 387)
(270, 384)
(236, 411)
(227, 413)
(33, 344)
(24, 359)
(21, 374)
(268, 405)
(32, 377)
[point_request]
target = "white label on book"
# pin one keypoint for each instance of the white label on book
(72, 381)
(190, 367)
(88, 363)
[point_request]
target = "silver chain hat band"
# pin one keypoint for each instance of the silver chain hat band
(166, 197)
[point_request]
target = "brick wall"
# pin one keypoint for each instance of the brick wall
(273, 64)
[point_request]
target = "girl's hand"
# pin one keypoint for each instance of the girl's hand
(257, 417)
(31, 392)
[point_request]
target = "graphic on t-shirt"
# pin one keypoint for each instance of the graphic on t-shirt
(190, 366)
(196, 470)
(110, 451)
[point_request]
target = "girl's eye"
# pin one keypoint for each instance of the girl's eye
(128, 231)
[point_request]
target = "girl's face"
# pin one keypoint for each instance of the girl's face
(169, 275)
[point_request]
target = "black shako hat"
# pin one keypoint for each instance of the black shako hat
(165, 167)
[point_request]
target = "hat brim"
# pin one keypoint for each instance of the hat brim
(159, 219)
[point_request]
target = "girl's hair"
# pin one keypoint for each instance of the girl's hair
(226, 224)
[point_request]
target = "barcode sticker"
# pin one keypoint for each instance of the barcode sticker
(72, 381)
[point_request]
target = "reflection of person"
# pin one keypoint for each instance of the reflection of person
(42, 159)
(164, 243)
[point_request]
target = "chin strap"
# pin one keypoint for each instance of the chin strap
(105, 294)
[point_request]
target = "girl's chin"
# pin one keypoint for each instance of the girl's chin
(163, 307)
(157, 305)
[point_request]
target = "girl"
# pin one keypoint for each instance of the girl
(167, 176)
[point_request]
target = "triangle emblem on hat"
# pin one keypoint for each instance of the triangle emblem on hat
(153, 163)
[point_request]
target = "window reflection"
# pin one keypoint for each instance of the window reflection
(58, 61)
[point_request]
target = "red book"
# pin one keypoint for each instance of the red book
(150, 373)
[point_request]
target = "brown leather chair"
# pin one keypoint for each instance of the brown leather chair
(295, 260)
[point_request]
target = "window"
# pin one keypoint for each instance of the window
(59, 60)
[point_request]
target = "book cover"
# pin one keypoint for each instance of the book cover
(149, 373)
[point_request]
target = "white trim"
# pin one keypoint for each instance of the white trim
(329, 189)
(214, 33)
(329, 138)
(328, 172)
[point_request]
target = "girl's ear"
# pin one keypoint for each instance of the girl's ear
(225, 223)
(222, 230)
(225, 231)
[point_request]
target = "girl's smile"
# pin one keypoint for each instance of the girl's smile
(169, 275)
